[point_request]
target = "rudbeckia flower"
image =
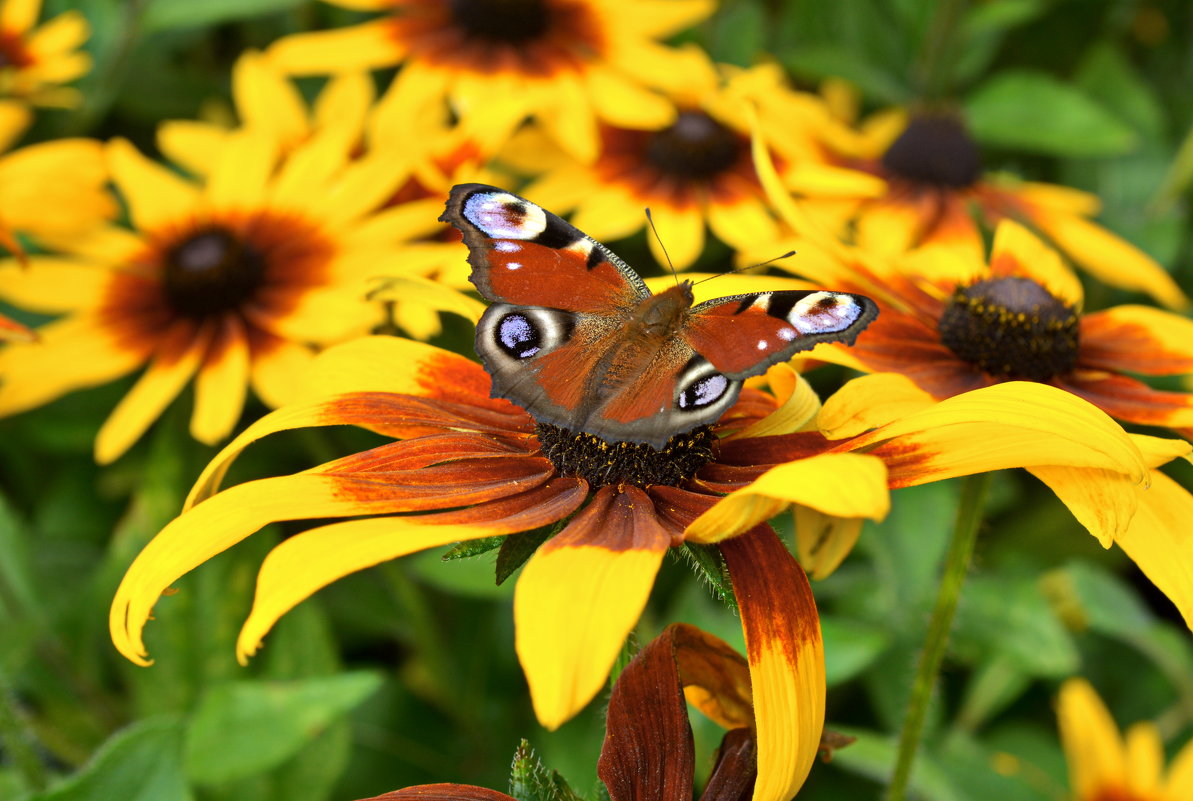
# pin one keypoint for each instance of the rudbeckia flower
(649, 753)
(231, 282)
(929, 187)
(36, 61)
(467, 466)
(693, 171)
(1104, 765)
(567, 62)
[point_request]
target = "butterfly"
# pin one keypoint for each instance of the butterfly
(574, 336)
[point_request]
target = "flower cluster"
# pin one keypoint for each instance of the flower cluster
(293, 246)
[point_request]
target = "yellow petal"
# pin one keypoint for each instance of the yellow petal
(157, 198)
(1093, 747)
(195, 146)
(279, 371)
(625, 103)
(681, 232)
(160, 384)
(1144, 758)
(64, 32)
(430, 294)
(800, 406)
(826, 180)
(1159, 451)
(240, 178)
(1017, 251)
(869, 402)
(309, 561)
(267, 101)
(742, 223)
(1102, 500)
(51, 285)
(1160, 541)
(15, 116)
(823, 541)
(660, 19)
(19, 16)
(842, 484)
(570, 119)
(344, 103)
(222, 384)
(367, 46)
(888, 227)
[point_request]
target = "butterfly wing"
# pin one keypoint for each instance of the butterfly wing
(742, 335)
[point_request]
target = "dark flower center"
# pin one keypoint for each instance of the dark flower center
(1011, 328)
(935, 150)
(13, 52)
(509, 21)
(211, 271)
(695, 146)
(601, 463)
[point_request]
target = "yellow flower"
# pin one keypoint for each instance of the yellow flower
(567, 62)
(904, 181)
(1105, 766)
(34, 61)
(231, 282)
(694, 171)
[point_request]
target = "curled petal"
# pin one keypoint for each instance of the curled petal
(1160, 541)
(442, 792)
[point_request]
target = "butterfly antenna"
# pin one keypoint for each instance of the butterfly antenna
(659, 239)
(786, 255)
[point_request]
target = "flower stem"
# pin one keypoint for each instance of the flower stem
(965, 531)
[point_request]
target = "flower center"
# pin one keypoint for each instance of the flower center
(601, 463)
(509, 21)
(935, 150)
(13, 52)
(1011, 328)
(695, 146)
(211, 271)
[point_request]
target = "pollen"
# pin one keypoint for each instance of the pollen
(1012, 328)
(600, 462)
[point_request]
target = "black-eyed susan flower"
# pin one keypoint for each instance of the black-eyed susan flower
(694, 172)
(649, 752)
(36, 60)
(230, 282)
(566, 62)
(929, 187)
(467, 466)
(1105, 765)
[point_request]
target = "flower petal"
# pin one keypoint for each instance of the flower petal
(1092, 744)
(238, 182)
(53, 285)
(842, 484)
(1137, 339)
(367, 46)
(1145, 758)
(579, 596)
(786, 656)
(222, 383)
(800, 406)
(307, 562)
(156, 197)
(1160, 541)
(1102, 500)
(869, 402)
(823, 541)
(267, 101)
(19, 16)
(682, 229)
(1018, 252)
(442, 792)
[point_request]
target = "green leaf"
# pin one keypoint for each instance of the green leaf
(850, 647)
(873, 755)
(471, 548)
(246, 727)
(1036, 112)
(1009, 616)
(995, 685)
(709, 566)
(140, 763)
(167, 14)
(738, 35)
(530, 780)
(822, 61)
(519, 547)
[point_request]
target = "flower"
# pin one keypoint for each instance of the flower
(1105, 767)
(691, 171)
(230, 281)
(498, 473)
(652, 756)
(34, 62)
(931, 180)
(567, 62)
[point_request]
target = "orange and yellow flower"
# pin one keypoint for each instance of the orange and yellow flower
(231, 281)
(566, 62)
(36, 61)
(904, 181)
(1106, 766)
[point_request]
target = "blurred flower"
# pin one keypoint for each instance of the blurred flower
(928, 187)
(36, 61)
(231, 282)
(649, 753)
(1103, 766)
(691, 171)
(498, 473)
(567, 62)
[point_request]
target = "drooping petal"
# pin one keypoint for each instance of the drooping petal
(1160, 541)
(823, 541)
(1092, 744)
(579, 596)
(648, 753)
(1104, 501)
(307, 562)
(1137, 339)
(855, 486)
(786, 656)
(1130, 399)
(442, 792)
(798, 408)
(869, 402)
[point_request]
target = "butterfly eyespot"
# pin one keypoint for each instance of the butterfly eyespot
(703, 391)
(518, 336)
(505, 216)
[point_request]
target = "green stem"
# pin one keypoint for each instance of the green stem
(933, 71)
(965, 533)
(18, 739)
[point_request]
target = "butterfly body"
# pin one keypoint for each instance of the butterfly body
(574, 336)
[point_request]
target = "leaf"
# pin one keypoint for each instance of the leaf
(471, 548)
(1036, 112)
(245, 727)
(142, 762)
(822, 61)
(519, 547)
(873, 755)
(531, 780)
(167, 14)
(708, 564)
(995, 685)
(850, 647)
(739, 34)
(1009, 616)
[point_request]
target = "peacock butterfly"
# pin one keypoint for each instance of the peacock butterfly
(574, 336)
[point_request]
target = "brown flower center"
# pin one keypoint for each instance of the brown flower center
(211, 271)
(1011, 328)
(13, 52)
(935, 150)
(694, 147)
(509, 21)
(601, 463)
